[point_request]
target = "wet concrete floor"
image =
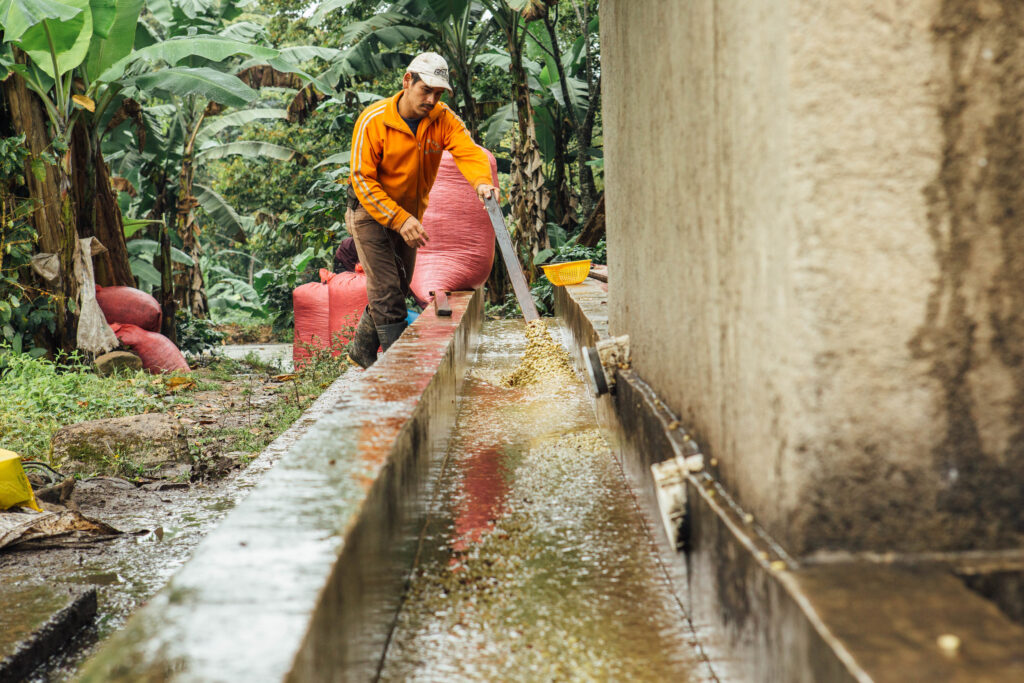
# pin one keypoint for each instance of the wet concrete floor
(273, 354)
(535, 563)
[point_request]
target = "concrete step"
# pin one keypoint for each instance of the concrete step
(37, 622)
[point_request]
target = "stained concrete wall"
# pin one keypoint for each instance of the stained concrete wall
(814, 227)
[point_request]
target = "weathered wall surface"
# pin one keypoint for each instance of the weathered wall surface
(814, 225)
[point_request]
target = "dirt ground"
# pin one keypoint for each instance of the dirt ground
(229, 418)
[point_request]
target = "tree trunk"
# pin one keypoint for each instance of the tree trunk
(593, 231)
(497, 281)
(585, 133)
(193, 291)
(96, 210)
(161, 212)
(463, 83)
(528, 194)
(54, 218)
(564, 206)
(584, 139)
(168, 304)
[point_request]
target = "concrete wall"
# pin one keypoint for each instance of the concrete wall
(814, 237)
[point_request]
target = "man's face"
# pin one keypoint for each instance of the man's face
(420, 95)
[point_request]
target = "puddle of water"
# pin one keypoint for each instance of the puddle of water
(535, 564)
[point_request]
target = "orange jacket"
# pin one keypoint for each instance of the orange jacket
(392, 171)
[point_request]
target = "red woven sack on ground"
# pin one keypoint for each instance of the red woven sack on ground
(460, 251)
(346, 302)
(312, 329)
(158, 353)
(129, 306)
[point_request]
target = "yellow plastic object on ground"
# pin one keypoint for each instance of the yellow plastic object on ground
(571, 273)
(14, 486)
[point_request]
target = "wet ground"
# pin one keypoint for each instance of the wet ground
(535, 563)
(269, 353)
(163, 520)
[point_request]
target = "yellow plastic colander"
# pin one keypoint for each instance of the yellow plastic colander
(571, 273)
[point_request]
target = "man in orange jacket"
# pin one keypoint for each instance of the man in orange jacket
(396, 148)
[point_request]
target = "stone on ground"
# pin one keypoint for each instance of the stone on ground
(113, 444)
(117, 361)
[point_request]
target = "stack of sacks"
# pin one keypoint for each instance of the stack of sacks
(312, 326)
(327, 312)
(346, 302)
(460, 251)
(135, 318)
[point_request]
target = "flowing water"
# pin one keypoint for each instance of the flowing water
(535, 563)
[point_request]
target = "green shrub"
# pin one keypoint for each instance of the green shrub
(196, 335)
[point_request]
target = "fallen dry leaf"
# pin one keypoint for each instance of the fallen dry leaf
(285, 378)
(180, 383)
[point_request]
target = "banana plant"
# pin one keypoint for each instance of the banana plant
(81, 59)
(455, 28)
(43, 43)
(189, 57)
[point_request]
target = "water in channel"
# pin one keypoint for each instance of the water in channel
(535, 563)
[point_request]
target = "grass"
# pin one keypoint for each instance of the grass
(38, 397)
(295, 394)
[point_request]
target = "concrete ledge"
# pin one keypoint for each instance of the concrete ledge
(770, 617)
(39, 622)
(302, 580)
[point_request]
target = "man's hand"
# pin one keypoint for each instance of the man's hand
(413, 233)
(483, 190)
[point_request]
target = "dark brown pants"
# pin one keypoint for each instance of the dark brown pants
(388, 262)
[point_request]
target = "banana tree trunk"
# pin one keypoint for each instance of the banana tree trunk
(96, 211)
(497, 281)
(168, 305)
(193, 290)
(528, 194)
(564, 124)
(463, 84)
(54, 217)
(161, 211)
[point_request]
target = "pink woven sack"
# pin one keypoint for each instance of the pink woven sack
(460, 251)
(158, 353)
(130, 306)
(312, 331)
(346, 303)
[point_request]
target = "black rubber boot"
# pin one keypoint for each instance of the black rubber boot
(362, 350)
(390, 333)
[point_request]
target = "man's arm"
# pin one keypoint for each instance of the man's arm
(470, 159)
(367, 150)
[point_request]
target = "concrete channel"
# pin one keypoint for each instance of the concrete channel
(433, 525)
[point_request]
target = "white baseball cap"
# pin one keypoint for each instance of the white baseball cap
(432, 69)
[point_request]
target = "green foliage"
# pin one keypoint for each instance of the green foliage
(142, 256)
(275, 287)
(40, 396)
(25, 311)
(196, 335)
